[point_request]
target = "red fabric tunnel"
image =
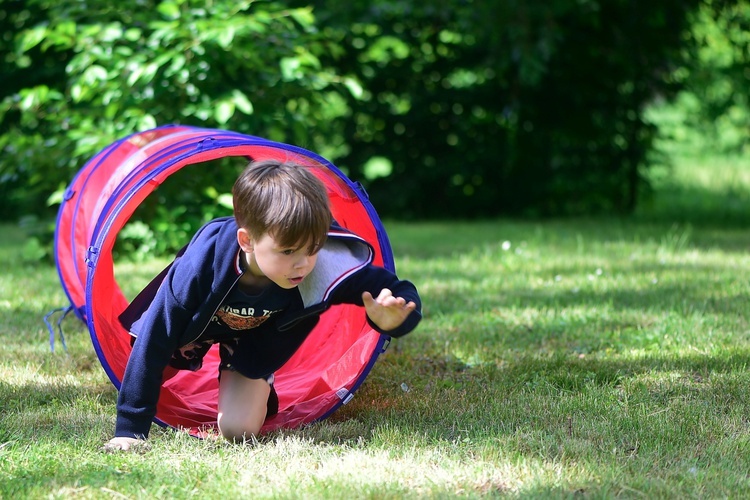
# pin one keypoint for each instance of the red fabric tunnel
(330, 365)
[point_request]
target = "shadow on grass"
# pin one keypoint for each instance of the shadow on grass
(484, 402)
(695, 296)
(715, 203)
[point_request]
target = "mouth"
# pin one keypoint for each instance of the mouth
(297, 280)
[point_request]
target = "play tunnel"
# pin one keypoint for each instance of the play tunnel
(330, 365)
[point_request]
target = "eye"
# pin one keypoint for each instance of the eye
(288, 251)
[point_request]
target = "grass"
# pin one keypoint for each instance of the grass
(593, 358)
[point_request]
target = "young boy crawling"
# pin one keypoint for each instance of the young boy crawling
(255, 284)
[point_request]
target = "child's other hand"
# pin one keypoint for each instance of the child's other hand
(126, 444)
(387, 311)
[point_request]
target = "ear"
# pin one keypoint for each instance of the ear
(245, 240)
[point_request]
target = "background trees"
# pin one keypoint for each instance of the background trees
(488, 108)
(462, 109)
(83, 74)
(712, 111)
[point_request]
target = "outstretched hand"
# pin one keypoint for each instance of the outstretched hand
(386, 311)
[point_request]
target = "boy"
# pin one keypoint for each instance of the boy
(256, 284)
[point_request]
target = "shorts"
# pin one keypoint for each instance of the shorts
(190, 357)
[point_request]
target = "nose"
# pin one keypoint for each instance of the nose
(302, 262)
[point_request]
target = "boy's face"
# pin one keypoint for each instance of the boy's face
(285, 266)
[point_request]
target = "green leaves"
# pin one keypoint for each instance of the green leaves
(226, 107)
(34, 98)
(79, 79)
(31, 38)
(480, 107)
(168, 10)
(241, 101)
(224, 111)
(354, 87)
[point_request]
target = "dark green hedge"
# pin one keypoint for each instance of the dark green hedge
(505, 107)
(473, 108)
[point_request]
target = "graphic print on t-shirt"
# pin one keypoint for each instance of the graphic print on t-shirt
(242, 318)
(241, 313)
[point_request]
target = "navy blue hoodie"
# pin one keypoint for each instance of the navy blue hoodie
(176, 307)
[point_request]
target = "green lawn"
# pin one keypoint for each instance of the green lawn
(596, 357)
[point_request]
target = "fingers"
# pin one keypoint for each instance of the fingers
(126, 444)
(115, 447)
(411, 306)
(386, 299)
(387, 311)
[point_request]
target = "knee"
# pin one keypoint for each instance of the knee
(239, 428)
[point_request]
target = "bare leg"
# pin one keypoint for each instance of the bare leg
(242, 405)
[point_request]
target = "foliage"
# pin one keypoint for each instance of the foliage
(712, 114)
(83, 74)
(459, 109)
(166, 220)
(504, 107)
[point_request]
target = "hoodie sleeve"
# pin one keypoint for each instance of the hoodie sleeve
(373, 279)
(158, 336)
(170, 313)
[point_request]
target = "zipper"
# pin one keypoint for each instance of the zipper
(213, 313)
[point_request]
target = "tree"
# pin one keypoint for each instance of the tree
(84, 74)
(464, 108)
(479, 108)
(712, 113)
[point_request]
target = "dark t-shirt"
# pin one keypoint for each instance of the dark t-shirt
(245, 314)
(240, 315)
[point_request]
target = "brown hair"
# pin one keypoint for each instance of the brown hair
(285, 200)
